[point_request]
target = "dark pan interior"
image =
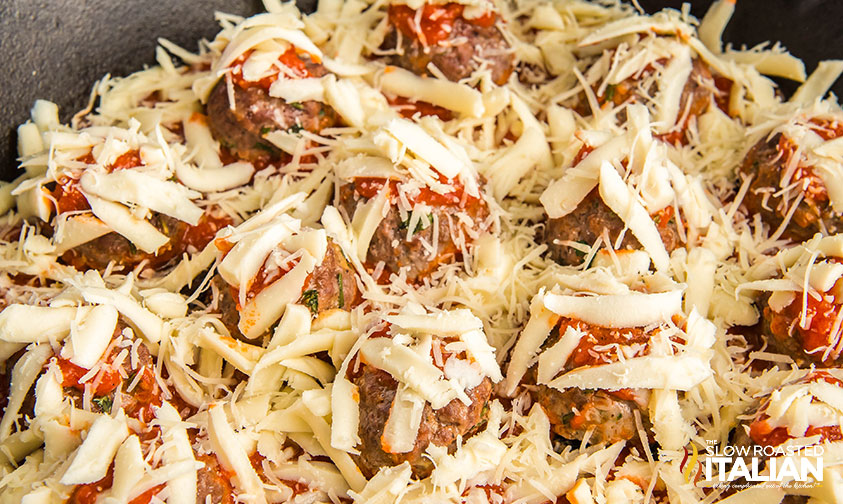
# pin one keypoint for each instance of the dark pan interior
(56, 49)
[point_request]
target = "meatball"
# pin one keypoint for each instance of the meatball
(440, 427)
(112, 247)
(389, 243)
(242, 129)
(587, 223)
(454, 44)
(27, 409)
(573, 412)
(331, 285)
(767, 430)
(766, 164)
(139, 394)
(806, 344)
(700, 89)
(212, 481)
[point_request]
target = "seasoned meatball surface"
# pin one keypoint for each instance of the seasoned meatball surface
(333, 281)
(573, 412)
(331, 285)
(807, 345)
(390, 245)
(440, 427)
(766, 163)
(241, 130)
(701, 90)
(587, 223)
(457, 52)
(112, 247)
(213, 481)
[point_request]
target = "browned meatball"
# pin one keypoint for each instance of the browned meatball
(575, 411)
(112, 247)
(805, 345)
(213, 481)
(255, 114)
(440, 427)
(389, 243)
(572, 412)
(700, 89)
(587, 223)
(27, 409)
(766, 163)
(457, 46)
(331, 285)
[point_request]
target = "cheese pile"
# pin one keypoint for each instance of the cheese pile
(275, 413)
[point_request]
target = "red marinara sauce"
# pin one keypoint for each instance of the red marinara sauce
(764, 434)
(264, 278)
(66, 194)
(820, 315)
(291, 58)
(369, 187)
(89, 492)
(109, 378)
(594, 347)
(408, 108)
(436, 21)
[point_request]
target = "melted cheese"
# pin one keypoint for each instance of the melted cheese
(90, 337)
(92, 459)
(453, 96)
(651, 372)
(633, 309)
(30, 324)
(122, 221)
(618, 197)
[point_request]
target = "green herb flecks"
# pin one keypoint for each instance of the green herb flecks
(610, 92)
(104, 403)
(341, 296)
(297, 106)
(296, 128)
(310, 298)
(266, 129)
(421, 225)
(263, 146)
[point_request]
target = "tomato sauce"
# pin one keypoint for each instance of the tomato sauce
(141, 401)
(68, 198)
(589, 351)
(109, 378)
(67, 195)
(820, 315)
(369, 187)
(291, 58)
(764, 434)
(89, 492)
(815, 190)
(137, 403)
(264, 278)
(409, 108)
(436, 21)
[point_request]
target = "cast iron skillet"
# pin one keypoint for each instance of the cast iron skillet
(56, 49)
